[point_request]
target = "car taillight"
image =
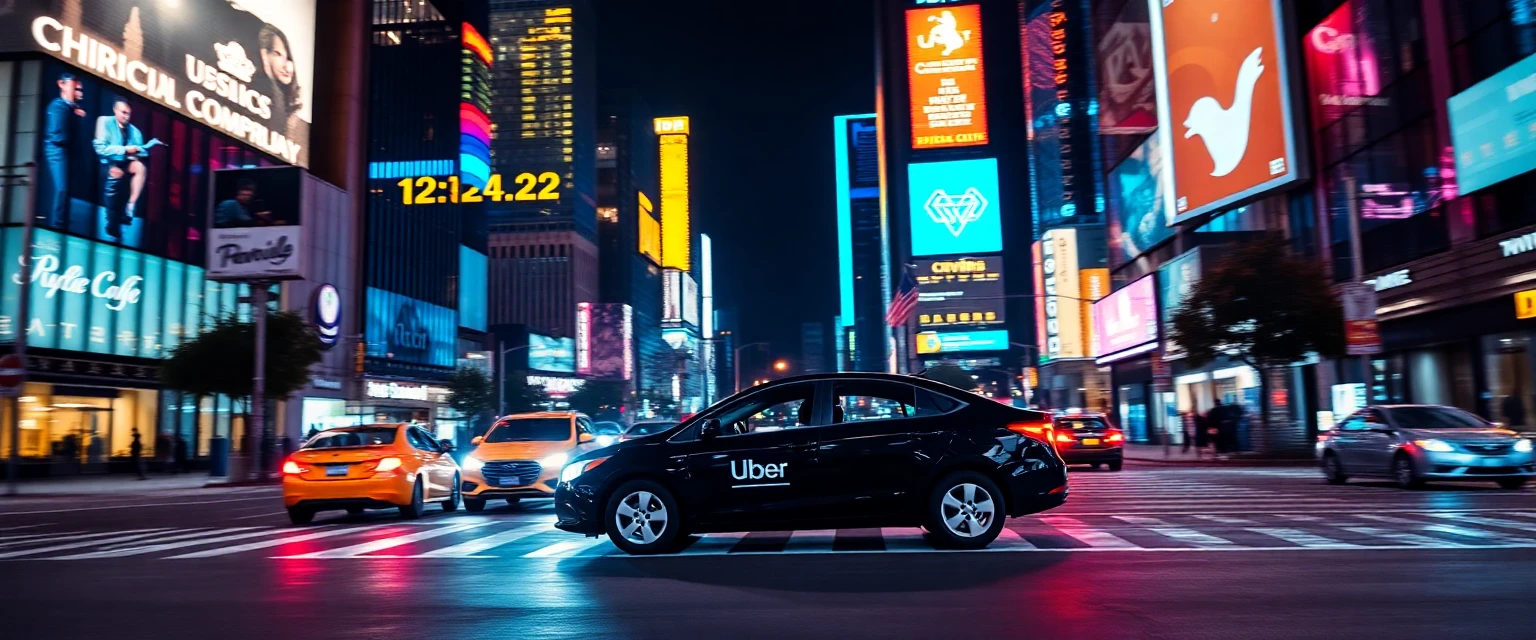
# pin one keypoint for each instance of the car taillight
(1065, 437)
(388, 464)
(1115, 436)
(292, 468)
(1032, 429)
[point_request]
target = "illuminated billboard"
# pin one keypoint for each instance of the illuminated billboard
(676, 234)
(551, 354)
(474, 108)
(671, 296)
(246, 70)
(1490, 127)
(605, 341)
(967, 291)
(473, 269)
(1060, 310)
(97, 298)
(1139, 217)
(954, 207)
(1126, 321)
(1175, 280)
(650, 230)
(1224, 100)
(409, 330)
(929, 342)
(945, 77)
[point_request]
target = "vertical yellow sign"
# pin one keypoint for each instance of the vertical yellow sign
(676, 233)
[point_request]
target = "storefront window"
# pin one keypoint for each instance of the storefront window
(327, 413)
(1507, 361)
(1133, 412)
(84, 425)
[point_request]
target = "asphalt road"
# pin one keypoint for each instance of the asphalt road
(1152, 552)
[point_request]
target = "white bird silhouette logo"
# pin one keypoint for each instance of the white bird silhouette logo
(1225, 130)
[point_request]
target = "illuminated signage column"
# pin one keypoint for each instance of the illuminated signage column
(945, 77)
(676, 234)
(1059, 310)
(474, 110)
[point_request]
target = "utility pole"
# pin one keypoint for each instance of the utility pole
(263, 457)
(23, 309)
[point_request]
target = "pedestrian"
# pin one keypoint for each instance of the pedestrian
(180, 455)
(1514, 411)
(136, 453)
(1213, 427)
(1189, 425)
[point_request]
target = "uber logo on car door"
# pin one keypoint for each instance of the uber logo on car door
(749, 470)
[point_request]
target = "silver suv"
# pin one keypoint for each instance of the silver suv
(1415, 443)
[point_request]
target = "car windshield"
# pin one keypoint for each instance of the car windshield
(1076, 424)
(368, 437)
(607, 428)
(531, 429)
(1435, 418)
(648, 428)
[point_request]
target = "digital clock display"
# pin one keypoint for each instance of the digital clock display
(431, 190)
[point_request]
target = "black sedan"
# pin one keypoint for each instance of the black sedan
(817, 452)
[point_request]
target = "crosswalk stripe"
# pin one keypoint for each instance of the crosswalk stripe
(24, 526)
(1473, 533)
(1298, 517)
(189, 533)
(566, 548)
(1192, 537)
(1009, 540)
(905, 539)
(385, 543)
(1491, 522)
(39, 537)
(714, 543)
(1302, 538)
(277, 542)
(481, 545)
(811, 541)
(1403, 538)
(1140, 520)
(152, 548)
(1224, 519)
(1091, 537)
(132, 534)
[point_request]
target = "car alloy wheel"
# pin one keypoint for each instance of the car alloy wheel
(968, 510)
(1404, 473)
(642, 517)
(455, 496)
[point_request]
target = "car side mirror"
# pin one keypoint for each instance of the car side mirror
(445, 445)
(709, 429)
(584, 438)
(477, 440)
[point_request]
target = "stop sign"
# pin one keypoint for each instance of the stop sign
(12, 370)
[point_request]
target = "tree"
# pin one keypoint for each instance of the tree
(1264, 307)
(521, 397)
(951, 375)
(598, 397)
(471, 393)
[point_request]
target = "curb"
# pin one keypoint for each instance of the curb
(1253, 462)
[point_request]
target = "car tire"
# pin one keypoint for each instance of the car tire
(959, 502)
(474, 505)
(454, 497)
(416, 508)
(1405, 473)
(355, 511)
(1333, 469)
(1512, 483)
(1116, 465)
(301, 515)
(647, 500)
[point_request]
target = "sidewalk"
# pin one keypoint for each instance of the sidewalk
(119, 484)
(1175, 454)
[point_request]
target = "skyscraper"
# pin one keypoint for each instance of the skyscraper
(862, 245)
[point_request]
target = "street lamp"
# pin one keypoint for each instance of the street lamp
(736, 361)
(501, 377)
(780, 365)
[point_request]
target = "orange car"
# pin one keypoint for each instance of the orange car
(376, 466)
(521, 456)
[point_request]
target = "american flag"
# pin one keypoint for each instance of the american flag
(904, 302)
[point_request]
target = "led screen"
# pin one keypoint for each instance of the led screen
(472, 289)
(409, 330)
(967, 291)
(945, 76)
(1491, 126)
(551, 354)
(961, 341)
(1126, 321)
(955, 207)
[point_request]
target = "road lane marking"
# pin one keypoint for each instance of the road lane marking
(276, 542)
(1489, 522)
(186, 533)
(132, 534)
(478, 546)
(227, 535)
(1303, 538)
(811, 541)
(1010, 540)
(1403, 538)
(1092, 537)
(1144, 521)
(382, 544)
(25, 526)
(712, 544)
(566, 548)
(129, 506)
(1191, 536)
(37, 537)
(1471, 532)
(1225, 519)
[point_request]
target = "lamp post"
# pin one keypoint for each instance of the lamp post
(501, 376)
(24, 176)
(736, 361)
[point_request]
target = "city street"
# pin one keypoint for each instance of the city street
(1153, 551)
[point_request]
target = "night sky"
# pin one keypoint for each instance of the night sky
(761, 88)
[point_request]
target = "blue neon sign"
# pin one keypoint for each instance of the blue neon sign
(954, 207)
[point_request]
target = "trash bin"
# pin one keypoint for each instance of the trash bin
(218, 457)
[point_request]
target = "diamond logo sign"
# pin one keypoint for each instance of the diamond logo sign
(956, 211)
(954, 208)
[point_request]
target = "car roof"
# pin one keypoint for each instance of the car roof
(539, 414)
(358, 427)
(1080, 416)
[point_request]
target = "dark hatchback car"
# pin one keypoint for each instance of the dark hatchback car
(1087, 438)
(816, 452)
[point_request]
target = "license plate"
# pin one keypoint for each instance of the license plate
(336, 470)
(1090, 442)
(509, 482)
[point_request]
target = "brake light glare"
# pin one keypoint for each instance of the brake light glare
(1065, 437)
(1035, 429)
(1115, 436)
(292, 468)
(388, 464)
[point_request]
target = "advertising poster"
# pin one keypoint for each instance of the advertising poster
(1127, 93)
(1126, 321)
(409, 330)
(1223, 97)
(551, 354)
(257, 225)
(954, 207)
(1343, 70)
(1059, 307)
(1491, 127)
(1139, 219)
(1362, 335)
(929, 342)
(245, 69)
(473, 267)
(945, 77)
(968, 291)
(605, 351)
(94, 297)
(1175, 280)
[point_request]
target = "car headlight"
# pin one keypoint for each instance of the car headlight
(554, 460)
(472, 463)
(1438, 446)
(603, 441)
(574, 470)
(1522, 445)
